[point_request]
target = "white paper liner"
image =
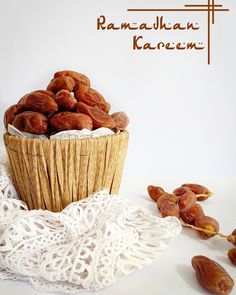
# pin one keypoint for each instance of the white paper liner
(69, 134)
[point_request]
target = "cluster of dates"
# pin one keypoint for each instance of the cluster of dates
(69, 103)
(182, 203)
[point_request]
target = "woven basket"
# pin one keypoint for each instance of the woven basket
(50, 174)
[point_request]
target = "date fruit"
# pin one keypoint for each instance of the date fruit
(46, 92)
(92, 98)
(121, 120)
(99, 117)
(65, 100)
(180, 191)
(207, 223)
(70, 121)
(21, 101)
(61, 83)
(11, 112)
(169, 208)
(187, 200)
(81, 81)
(232, 238)
(166, 197)
(192, 213)
(39, 102)
(212, 276)
(155, 192)
(31, 122)
(232, 255)
(201, 191)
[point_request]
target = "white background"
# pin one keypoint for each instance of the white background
(182, 111)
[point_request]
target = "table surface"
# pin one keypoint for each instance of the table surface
(171, 272)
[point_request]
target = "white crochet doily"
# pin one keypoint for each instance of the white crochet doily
(89, 245)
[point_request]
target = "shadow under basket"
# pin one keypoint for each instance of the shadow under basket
(50, 174)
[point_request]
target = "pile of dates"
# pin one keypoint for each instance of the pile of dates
(182, 203)
(69, 103)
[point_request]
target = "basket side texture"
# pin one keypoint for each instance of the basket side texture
(50, 174)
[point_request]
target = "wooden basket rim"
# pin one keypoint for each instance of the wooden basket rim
(90, 139)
